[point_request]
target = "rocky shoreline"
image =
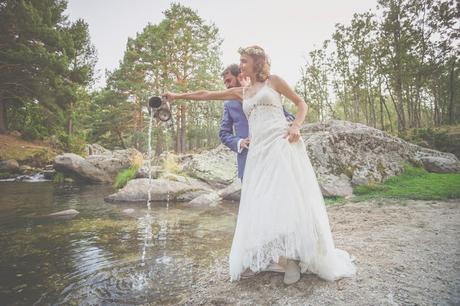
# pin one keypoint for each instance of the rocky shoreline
(343, 154)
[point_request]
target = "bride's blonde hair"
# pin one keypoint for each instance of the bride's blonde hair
(261, 61)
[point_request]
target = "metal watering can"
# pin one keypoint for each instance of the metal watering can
(160, 107)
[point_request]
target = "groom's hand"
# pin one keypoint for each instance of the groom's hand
(244, 144)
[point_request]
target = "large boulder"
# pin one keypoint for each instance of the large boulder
(102, 167)
(9, 165)
(216, 167)
(345, 154)
(162, 189)
(112, 163)
(439, 164)
(76, 166)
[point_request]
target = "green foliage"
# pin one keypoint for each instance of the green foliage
(45, 61)
(72, 143)
(124, 176)
(58, 178)
(335, 200)
(414, 183)
(180, 53)
(395, 71)
(444, 138)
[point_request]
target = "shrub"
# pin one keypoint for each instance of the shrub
(124, 176)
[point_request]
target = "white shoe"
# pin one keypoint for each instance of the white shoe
(247, 274)
(292, 273)
(274, 267)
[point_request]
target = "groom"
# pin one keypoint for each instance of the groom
(234, 119)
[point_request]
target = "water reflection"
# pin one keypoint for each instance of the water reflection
(108, 254)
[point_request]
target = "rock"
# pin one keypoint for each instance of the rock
(113, 162)
(143, 172)
(75, 165)
(232, 192)
(68, 212)
(96, 149)
(15, 133)
(26, 169)
(216, 167)
(332, 185)
(9, 165)
(98, 168)
(363, 154)
(161, 190)
(209, 199)
(48, 174)
(439, 164)
(189, 196)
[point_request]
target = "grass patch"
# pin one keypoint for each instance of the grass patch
(18, 149)
(334, 200)
(413, 183)
(124, 176)
(58, 178)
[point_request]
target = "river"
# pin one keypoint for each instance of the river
(107, 254)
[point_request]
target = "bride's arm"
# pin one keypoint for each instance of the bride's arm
(283, 88)
(232, 93)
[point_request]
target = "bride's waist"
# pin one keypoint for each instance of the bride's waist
(267, 129)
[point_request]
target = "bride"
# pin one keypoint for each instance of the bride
(282, 218)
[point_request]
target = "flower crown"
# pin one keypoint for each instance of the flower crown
(251, 51)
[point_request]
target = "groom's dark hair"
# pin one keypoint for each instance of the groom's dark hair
(234, 69)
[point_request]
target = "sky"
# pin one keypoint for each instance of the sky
(286, 29)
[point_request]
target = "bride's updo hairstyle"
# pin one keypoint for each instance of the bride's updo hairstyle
(261, 61)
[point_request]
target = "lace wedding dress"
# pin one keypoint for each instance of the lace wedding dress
(282, 210)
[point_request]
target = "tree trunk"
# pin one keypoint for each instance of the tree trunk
(69, 120)
(183, 129)
(160, 144)
(177, 148)
(452, 110)
(3, 118)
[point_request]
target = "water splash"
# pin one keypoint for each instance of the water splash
(146, 221)
(149, 198)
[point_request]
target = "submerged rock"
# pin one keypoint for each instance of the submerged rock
(68, 212)
(232, 192)
(208, 199)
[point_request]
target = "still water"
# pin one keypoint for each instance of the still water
(109, 253)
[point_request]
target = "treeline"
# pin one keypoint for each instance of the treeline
(393, 69)
(180, 53)
(46, 66)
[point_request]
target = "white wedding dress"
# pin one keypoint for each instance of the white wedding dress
(282, 210)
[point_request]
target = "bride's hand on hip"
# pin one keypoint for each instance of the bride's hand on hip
(293, 133)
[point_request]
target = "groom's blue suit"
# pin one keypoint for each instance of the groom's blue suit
(234, 118)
